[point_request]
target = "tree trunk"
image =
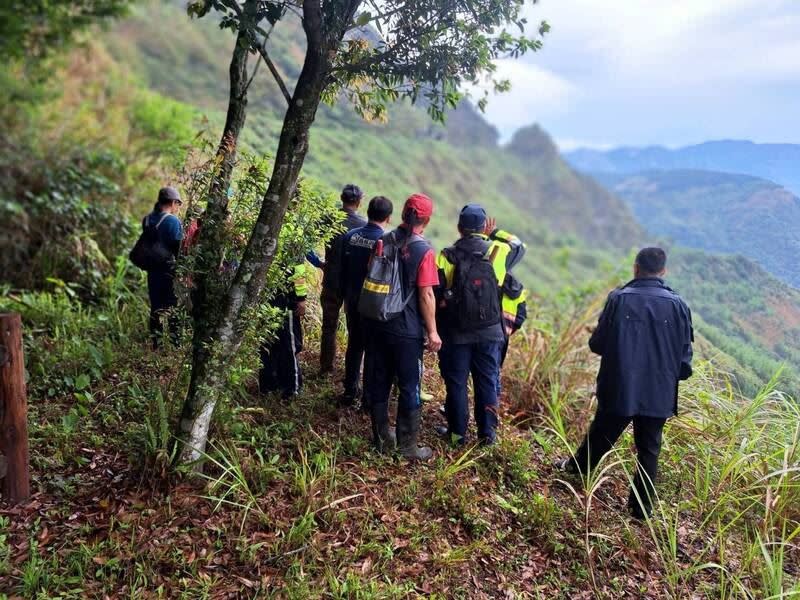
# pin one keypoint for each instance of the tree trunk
(13, 411)
(246, 289)
(207, 294)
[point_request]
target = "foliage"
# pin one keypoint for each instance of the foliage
(62, 223)
(67, 190)
(34, 29)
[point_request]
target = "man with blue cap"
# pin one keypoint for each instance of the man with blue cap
(470, 322)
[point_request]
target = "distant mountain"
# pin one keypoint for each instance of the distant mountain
(775, 162)
(718, 212)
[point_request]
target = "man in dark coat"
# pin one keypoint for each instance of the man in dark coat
(644, 337)
(331, 297)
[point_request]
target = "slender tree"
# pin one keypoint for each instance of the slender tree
(372, 52)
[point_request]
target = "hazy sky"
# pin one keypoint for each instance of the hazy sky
(668, 72)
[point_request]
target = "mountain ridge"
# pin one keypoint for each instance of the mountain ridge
(773, 161)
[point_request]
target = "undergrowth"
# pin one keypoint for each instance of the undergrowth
(294, 504)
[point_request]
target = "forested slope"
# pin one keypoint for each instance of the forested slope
(718, 212)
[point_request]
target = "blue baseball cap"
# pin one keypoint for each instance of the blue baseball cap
(472, 218)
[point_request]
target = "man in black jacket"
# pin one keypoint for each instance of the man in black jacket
(644, 337)
(331, 296)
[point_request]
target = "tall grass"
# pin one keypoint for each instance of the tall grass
(728, 511)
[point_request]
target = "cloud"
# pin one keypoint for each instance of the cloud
(536, 94)
(640, 71)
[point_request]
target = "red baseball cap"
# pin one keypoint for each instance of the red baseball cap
(420, 204)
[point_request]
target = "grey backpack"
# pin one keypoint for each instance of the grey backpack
(382, 296)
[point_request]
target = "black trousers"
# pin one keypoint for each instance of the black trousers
(280, 368)
(393, 357)
(355, 352)
(161, 292)
(603, 433)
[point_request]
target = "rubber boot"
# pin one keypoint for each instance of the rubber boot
(383, 437)
(408, 437)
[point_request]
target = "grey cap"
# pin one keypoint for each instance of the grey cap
(168, 194)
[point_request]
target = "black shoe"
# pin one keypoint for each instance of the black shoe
(637, 513)
(345, 401)
(567, 465)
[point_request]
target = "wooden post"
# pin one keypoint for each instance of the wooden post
(13, 410)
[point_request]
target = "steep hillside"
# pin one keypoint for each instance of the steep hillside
(744, 312)
(456, 164)
(775, 162)
(718, 212)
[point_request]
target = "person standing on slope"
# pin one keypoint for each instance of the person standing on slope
(280, 367)
(470, 321)
(167, 229)
(331, 295)
(508, 250)
(357, 247)
(395, 346)
(644, 337)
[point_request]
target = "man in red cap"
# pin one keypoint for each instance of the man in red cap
(395, 347)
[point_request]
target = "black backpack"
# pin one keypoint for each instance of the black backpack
(149, 253)
(475, 300)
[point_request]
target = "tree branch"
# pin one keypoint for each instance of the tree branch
(262, 50)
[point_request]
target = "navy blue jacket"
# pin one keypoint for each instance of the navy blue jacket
(332, 275)
(644, 337)
(357, 247)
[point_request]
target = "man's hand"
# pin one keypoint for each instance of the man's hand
(491, 225)
(434, 342)
(300, 309)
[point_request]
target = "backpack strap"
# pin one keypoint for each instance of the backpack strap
(146, 220)
(161, 220)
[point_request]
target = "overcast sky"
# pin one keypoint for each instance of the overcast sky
(672, 72)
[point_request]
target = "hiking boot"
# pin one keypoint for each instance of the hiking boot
(636, 510)
(637, 513)
(384, 437)
(408, 437)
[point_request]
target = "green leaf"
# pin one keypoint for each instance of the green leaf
(364, 18)
(82, 382)
(69, 421)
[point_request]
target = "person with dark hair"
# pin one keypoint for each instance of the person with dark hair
(470, 320)
(395, 347)
(644, 337)
(161, 279)
(357, 247)
(331, 296)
